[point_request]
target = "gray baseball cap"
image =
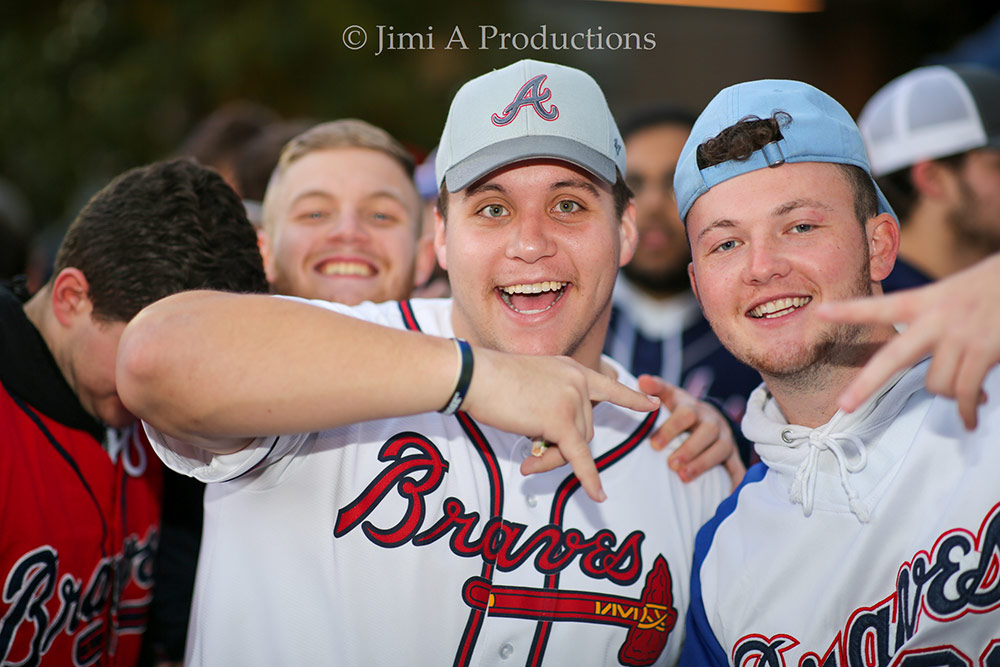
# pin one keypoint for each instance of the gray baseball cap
(929, 113)
(528, 110)
(820, 130)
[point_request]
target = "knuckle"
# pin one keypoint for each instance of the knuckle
(939, 386)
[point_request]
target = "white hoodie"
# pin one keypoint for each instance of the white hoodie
(869, 539)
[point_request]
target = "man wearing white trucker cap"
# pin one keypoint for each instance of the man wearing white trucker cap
(933, 136)
(386, 533)
(869, 537)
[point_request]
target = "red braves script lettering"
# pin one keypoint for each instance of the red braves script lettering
(960, 575)
(32, 582)
(417, 469)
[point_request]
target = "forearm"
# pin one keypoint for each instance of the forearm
(203, 365)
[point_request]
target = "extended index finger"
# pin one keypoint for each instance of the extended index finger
(869, 310)
(901, 352)
(577, 454)
(602, 388)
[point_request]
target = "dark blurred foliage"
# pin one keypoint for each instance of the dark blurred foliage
(91, 87)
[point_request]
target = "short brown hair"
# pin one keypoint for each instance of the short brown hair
(160, 229)
(344, 133)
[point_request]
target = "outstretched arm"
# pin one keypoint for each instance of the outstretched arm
(216, 369)
(956, 319)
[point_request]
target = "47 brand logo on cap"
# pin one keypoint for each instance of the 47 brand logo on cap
(531, 94)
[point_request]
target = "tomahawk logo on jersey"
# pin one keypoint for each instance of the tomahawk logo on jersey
(424, 544)
(504, 545)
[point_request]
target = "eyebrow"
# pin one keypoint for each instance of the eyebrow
(777, 211)
(474, 190)
(577, 183)
(307, 194)
(790, 206)
(378, 194)
(490, 186)
(721, 223)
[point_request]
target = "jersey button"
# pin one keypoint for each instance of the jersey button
(506, 651)
(531, 500)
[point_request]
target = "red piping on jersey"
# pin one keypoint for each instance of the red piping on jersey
(482, 446)
(563, 493)
(562, 496)
(485, 451)
(409, 319)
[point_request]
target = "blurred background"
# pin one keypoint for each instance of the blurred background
(89, 88)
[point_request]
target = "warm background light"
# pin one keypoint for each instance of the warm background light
(756, 5)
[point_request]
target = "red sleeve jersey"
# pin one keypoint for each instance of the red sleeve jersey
(80, 518)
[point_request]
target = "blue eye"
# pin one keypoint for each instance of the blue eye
(383, 218)
(803, 227)
(726, 246)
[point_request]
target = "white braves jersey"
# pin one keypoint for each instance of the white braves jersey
(417, 541)
(906, 572)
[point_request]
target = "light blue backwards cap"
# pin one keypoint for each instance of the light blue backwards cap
(820, 130)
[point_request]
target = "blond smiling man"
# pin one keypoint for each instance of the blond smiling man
(342, 217)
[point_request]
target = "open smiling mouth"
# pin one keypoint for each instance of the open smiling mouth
(532, 298)
(778, 307)
(346, 269)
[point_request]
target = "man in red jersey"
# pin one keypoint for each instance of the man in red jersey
(81, 510)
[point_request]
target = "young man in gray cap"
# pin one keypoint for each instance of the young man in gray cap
(867, 537)
(933, 136)
(388, 533)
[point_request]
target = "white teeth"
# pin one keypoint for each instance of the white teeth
(534, 288)
(779, 307)
(345, 269)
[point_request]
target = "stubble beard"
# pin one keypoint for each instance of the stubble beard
(672, 276)
(972, 224)
(665, 283)
(811, 366)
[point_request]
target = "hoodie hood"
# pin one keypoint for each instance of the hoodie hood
(842, 462)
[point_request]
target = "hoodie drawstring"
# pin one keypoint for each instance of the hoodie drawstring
(804, 483)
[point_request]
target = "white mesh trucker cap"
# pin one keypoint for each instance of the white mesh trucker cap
(931, 112)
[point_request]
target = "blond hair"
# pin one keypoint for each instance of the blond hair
(344, 133)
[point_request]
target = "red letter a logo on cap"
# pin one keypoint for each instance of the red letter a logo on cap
(531, 94)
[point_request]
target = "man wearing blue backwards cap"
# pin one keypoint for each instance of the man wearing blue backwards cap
(395, 526)
(863, 538)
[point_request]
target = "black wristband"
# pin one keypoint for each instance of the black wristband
(463, 381)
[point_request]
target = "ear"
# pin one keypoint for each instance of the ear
(628, 234)
(929, 178)
(70, 298)
(440, 238)
(423, 266)
(883, 244)
(694, 282)
(267, 254)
